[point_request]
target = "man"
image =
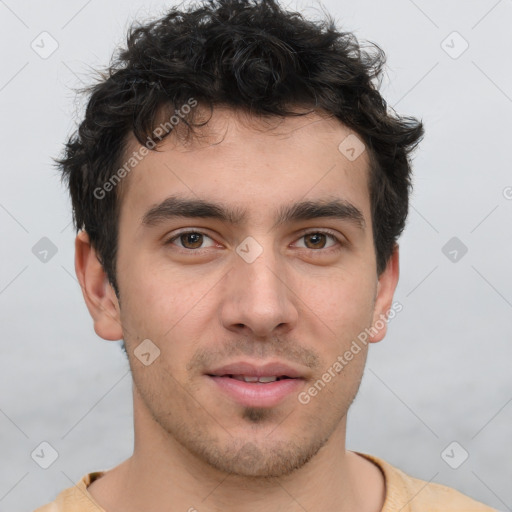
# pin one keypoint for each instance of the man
(239, 186)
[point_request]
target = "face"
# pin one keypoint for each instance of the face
(252, 284)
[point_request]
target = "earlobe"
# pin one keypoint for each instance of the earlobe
(385, 291)
(99, 296)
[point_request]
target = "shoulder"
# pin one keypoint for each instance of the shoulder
(408, 494)
(76, 498)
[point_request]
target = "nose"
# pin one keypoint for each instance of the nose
(259, 298)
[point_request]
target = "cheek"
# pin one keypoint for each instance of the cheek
(343, 302)
(164, 303)
(167, 307)
(158, 295)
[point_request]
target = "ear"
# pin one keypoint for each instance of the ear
(98, 293)
(385, 290)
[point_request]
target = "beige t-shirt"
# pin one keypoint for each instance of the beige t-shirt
(403, 493)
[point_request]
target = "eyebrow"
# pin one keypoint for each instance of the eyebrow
(178, 207)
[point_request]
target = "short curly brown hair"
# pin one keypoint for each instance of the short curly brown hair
(244, 54)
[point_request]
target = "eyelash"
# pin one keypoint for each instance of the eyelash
(328, 233)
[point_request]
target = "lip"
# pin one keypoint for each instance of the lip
(254, 370)
(254, 394)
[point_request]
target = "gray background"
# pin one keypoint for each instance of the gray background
(443, 372)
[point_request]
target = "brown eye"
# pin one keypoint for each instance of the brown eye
(319, 239)
(316, 240)
(191, 240)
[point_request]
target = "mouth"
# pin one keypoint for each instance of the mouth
(251, 391)
(254, 379)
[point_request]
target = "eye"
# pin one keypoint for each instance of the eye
(317, 239)
(190, 239)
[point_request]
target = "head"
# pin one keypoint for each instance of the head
(249, 128)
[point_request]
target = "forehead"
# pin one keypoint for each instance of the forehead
(258, 163)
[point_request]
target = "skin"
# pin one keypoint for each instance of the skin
(299, 302)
